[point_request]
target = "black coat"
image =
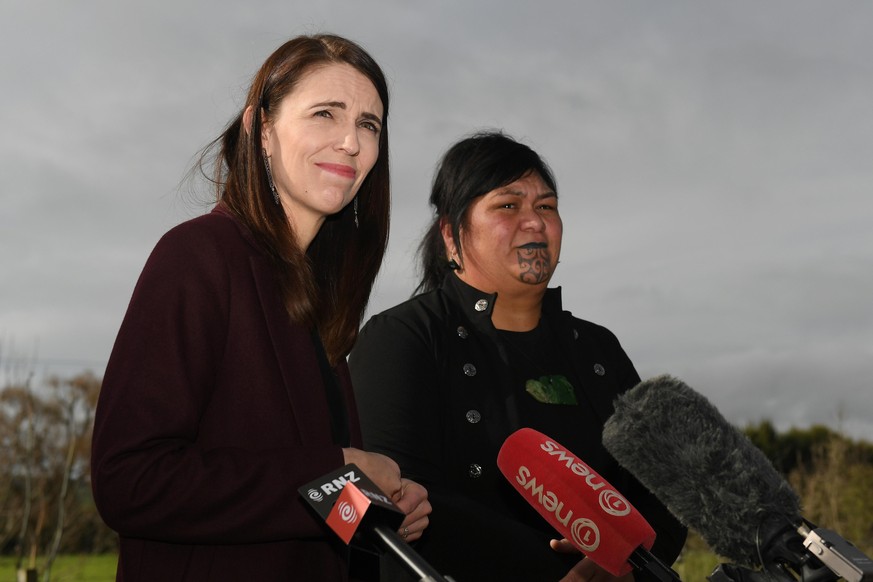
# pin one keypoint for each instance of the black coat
(434, 394)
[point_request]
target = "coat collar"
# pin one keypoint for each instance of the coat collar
(477, 305)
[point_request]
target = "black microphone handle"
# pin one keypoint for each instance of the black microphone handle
(412, 560)
(644, 561)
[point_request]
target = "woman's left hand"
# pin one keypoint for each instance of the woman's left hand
(412, 501)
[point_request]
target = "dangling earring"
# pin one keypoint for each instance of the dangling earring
(453, 264)
(270, 178)
(355, 206)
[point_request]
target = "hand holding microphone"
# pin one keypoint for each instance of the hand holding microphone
(415, 504)
(358, 511)
(581, 506)
(586, 570)
(409, 496)
(383, 470)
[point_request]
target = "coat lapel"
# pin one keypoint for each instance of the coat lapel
(296, 358)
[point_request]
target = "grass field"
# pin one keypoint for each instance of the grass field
(694, 566)
(696, 563)
(86, 568)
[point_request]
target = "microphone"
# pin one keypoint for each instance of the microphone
(715, 481)
(581, 505)
(362, 515)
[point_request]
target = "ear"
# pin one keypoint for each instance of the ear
(248, 120)
(448, 239)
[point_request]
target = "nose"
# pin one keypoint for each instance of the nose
(532, 221)
(347, 140)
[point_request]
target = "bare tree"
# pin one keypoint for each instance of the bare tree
(78, 399)
(18, 411)
(46, 436)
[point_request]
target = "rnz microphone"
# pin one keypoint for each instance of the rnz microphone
(580, 505)
(715, 481)
(362, 515)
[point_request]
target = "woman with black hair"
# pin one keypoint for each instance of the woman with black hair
(483, 349)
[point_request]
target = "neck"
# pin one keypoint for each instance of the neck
(304, 230)
(518, 312)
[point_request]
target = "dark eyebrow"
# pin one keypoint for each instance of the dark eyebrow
(371, 117)
(508, 192)
(337, 104)
(341, 105)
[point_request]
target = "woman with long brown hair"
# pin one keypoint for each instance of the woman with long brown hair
(227, 388)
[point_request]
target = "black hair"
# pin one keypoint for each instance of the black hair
(473, 167)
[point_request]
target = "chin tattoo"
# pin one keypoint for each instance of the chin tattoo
(535, 266)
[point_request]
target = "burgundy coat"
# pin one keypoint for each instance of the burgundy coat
(212, 413)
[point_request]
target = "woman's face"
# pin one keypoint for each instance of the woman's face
(512, 239)
(322, 142)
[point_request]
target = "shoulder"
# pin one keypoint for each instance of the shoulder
(593, 337)
(215, 228)
(598, 347)
(588, 337)
(580, 328)
(419, 319)
(209, 237)
(589, 328)
(206, 247)
(423, 309)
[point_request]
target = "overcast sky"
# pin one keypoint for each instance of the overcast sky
(714, 163)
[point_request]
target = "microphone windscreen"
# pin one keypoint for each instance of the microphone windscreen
(703, 469)
(574, 499)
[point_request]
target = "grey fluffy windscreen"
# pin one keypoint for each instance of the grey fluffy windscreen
(707, 473)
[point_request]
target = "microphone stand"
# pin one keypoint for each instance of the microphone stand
(644, 561)
(391, 541)
(806, 553)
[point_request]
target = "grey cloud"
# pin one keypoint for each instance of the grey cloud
(712, 160)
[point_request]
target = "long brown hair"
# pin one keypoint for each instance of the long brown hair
(327, 286)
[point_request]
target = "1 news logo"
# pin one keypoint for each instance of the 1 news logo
(613, 503)
(586, 534)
